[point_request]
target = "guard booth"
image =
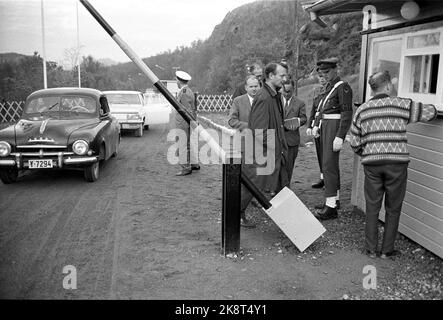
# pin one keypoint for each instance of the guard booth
(405, 38)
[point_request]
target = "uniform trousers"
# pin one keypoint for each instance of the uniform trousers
(318, 149)
(389, 180)
(330, 158)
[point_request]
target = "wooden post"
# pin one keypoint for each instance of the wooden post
(231, 187)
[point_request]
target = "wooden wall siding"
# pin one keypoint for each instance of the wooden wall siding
(422, 212)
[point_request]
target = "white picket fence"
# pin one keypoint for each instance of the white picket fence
(214, 103)
(10, 111)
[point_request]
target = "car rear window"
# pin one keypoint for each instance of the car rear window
(123, 98)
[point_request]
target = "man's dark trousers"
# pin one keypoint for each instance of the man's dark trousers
(390, 180)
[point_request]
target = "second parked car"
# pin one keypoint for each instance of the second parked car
(129, 107)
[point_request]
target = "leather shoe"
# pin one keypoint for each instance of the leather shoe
(390, 254)
(319, 184)
(371, 254)
(183, 172)
(246, 223)
(321, 206)
(327, 213)
(195, 167)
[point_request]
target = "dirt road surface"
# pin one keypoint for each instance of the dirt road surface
(140, 232)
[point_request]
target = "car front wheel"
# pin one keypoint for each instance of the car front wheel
(9, 175)
(92, 172)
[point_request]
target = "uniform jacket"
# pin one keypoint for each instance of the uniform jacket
(340, 102)
(187, 99)
(239, 114)
(296, 108)
(318, 96)
(267, 113)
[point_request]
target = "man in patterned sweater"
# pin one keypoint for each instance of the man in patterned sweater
(378, 135)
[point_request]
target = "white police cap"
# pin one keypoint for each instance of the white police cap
(181, 75)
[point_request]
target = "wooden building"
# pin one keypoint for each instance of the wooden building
(405, 38)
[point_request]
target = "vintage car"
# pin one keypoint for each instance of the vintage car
(129, 107)
(70, 128)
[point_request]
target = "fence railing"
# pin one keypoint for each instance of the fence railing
(10, 111)
(214, 103)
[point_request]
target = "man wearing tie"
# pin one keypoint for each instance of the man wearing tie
(241, 106)
(239, 118)
(294, 111)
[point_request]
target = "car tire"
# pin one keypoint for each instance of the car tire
(139, 131)
(9, 176)
(146, 127)
(92, 172)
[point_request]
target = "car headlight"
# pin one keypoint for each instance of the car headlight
(80, 147)
(134, 117)
(5, 149)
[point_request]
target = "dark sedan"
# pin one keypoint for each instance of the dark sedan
(68, 128)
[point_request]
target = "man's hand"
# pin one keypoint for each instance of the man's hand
(309, 132)
(315, 132)
(337, 144)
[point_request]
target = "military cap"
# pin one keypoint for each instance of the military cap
(183, 76)
(326, 64)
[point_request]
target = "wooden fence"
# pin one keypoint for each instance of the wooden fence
(214, 103)
(10, 111)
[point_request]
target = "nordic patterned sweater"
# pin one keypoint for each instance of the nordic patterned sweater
(378, 130)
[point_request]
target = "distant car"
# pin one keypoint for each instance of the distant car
(60, 128)
(129, 107)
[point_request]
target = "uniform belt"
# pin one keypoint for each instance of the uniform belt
(333, 116)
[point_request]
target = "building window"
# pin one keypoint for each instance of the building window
(386, 56)
(424, 40)
(423, 74)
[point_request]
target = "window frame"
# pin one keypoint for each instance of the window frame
(403, 34)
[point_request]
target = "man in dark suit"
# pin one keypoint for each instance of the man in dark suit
(241, 107)
(266, 124)
(295, 116)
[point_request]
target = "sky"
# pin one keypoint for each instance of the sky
(149, 27)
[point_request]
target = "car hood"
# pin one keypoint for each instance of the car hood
(49, 131)
(125, 108)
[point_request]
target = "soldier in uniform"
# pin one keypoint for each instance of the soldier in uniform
(187, 99)
(332, 125)
(319, 94)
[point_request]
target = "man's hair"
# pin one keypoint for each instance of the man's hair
(379, 79)
(270, 68)
(250, 76)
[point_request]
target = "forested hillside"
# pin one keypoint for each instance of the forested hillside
(261, 31)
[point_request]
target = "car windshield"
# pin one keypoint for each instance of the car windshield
(62, 107)
(123, 98)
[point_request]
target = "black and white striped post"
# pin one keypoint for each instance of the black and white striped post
(228, 240)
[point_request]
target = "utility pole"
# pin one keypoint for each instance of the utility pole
(78, 50)
(296, 46)
(45, 80)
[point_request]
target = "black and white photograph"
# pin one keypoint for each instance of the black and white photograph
(221, 157)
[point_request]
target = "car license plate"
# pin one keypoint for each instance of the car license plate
(130, 126)
(40, 164)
